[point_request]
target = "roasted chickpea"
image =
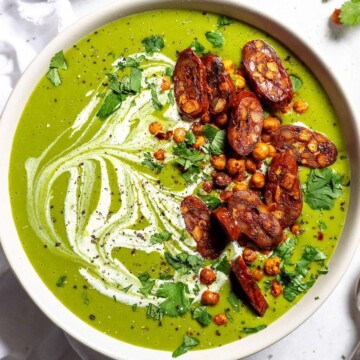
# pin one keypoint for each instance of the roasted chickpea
(206, 118)
(258, 274)
(240, 187)
(229, 66)
(235, 166)
(239, 81)
(200, 141)
(261, 151)
(155, 127)
(271, 124)
(179, 135)
(249, 255)
(220, 319)
(210, 298)
(240, 177)
(276, 288)
(265, 138)
(221, 120)
(272, 151)
(197, 128)
(221, 179)
(225, 195)
(272, 265)
(257, 180)
(207, 276)
(207, 186)
(250, 166)
(301, 106)
(159, 155)
(295, 229)
(218, 162)
(166, 82)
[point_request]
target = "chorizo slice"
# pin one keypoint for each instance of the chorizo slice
(246, 123)
(221, 179)
(283, 190)
(197, 218)
(267, 75)
(190, 86)
(230, 226)
(255, 219)
(310, 148)
(221, 89)
(249, 285)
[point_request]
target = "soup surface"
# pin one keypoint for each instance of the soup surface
(99, 217)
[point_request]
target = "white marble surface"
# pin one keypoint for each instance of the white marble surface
(333, 330)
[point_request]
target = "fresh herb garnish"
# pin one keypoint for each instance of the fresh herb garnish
(54, 77)
(216, 38)
(234, 302)
(183, 236)
(296, 83)
(111, 103)
(134, 307)
(57, 62)
(61, 281)
(147, 283)
(154, 98)
(201, 315)
(217, 140)
(153, 43)
(223, 266)
(253, 330)
(227, 314)
(350, 13)
(209, 132)
(188, 343)
(322, 225)
(85, 298)
(165, 276)
(129, 62)
(159, 238)
(184, 262)
(151, 163)
(154, 312)
(197, 48)
(294, 285)
(176, 303)
(286, 249)
(311, 254)
(224, 21)
(169, 72)
(322, 187)
(126, 289)
(211, 202)
(135, 80)
(190, 138)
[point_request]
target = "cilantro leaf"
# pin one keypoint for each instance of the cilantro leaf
(126, 62)
(223, 265)
(201, 315)
(211, 202)
(126, 289)
(190, 138)
(154, 98)
(286, 249)
(111, 103)
(176, 303)
(85, 298)
(296, 83)
(184, 262)
(223, 21)
(197, 48)
(210, 132)
(188, 343)
(322, 187)
(171, 98)
(61, 281)
(350, 13)
(151, 163)
(296, 287)
(216, 38)
(234, 301)
(54, 77)
(169, 72)
(159, 238)
(217, 146)
(165, 276)
(147, 283)
(153, 43)
(253, 330)
(154, 312)
(58, 61)
(135, 80)
(322, 225)
(311, 254)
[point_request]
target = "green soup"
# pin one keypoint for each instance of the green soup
(87, 203)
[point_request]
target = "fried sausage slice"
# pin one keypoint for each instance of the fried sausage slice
(246, 123)
(255, 219)
(230, 226)
(310, 148)
(267, 75)
(283, 190)
(197, 217)
(249, 285)
(221, 89)
(190, 86)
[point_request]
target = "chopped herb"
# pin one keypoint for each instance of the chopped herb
(154, 312)
(224, 21)
(190, 138)
(111, 103)
(296, 83)
(201, 315)
(165, 276)
(322, 187)
(169, 72)
(61, 281)
(134, 307)
(126, 289)
(286, 249)
(151, 163)
(234, 301)
(227, 314)
(217, 145)
(311, 254)
(316, 298)
(147, 283)
(129, 62)
(196, 289)
(171, 98)
(294, 285)
(322, 225)
(211, 202)
(223, 266)
(267, 285)
(216, 38)
(183, 236)
(114, 297)
(210, 132)
(197, 48)
(153, 43)
(159, 238)
(135, 80)
(85, 298)
(176, 303)
(188, 343)
(58, 61)
(154, 98)
(184, 262)
(53, 76)
(350, 13)
(254, 329)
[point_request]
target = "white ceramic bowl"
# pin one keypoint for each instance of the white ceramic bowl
(43, 297)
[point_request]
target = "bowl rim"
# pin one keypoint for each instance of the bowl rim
(45, 299)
